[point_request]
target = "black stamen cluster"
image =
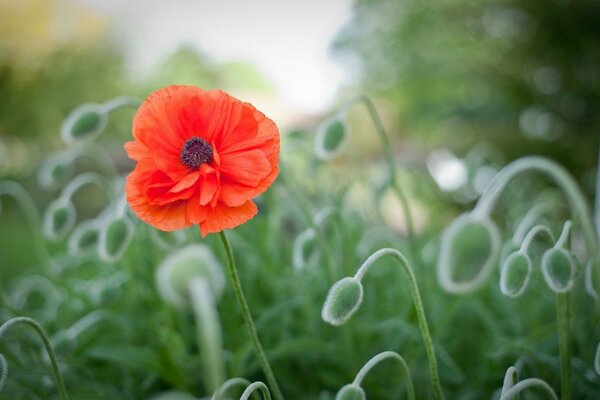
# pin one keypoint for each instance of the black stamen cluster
(196, 152)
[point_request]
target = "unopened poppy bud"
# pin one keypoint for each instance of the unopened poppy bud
(115, 236)
(558, 268)
(469, 250)
(55, 170)
(515, 274)
(331, 138)
(59, 219)
(84, 238)
(84, 123)
(351, 392)
(343, 299)
(175, 273)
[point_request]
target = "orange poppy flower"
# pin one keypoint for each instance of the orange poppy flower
(201, 158)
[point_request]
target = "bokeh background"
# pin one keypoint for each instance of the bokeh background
(463, 87)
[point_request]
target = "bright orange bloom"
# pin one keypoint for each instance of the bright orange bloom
(201, 158)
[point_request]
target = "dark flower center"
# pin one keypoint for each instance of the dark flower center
(196, 152)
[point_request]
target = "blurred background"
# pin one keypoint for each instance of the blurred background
(462, 87)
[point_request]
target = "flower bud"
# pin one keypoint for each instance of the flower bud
(55, 171)
(59, 219)
(330, 139)
(515, 274)
(558, 269)
(303, 249)
(469, 250)
(84, 123)
(115, 235)
(175, 273)
(84, 238)
(343, 299)
(351, 392)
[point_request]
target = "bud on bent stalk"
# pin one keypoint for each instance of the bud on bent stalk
(84, 123)
(59, 219)
(115, 235)
(343, 299)
(331, 138)
(471, 245)
(351, 392)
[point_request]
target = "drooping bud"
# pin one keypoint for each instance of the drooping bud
(343, 299)
(59, 219)
(84, 123)
(351, 392)
(54, 171)
(469, 251)
(115, 235)
(558, 268)
(331, 138)
(515, 274)
(84, 238)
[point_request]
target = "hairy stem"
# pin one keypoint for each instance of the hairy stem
(31, 322)
(410, 391)
(416, 297)
(561, 177)
(563, 324)
(237, 286)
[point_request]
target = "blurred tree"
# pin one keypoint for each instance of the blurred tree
(521, 73)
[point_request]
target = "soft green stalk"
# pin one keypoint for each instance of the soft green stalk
(208, 331)
(561, 177)
(410, 391)
(256, 386)
(416, 297)
(28, 321)
(563, 325)
(237, 286)
(119, 102)
(24, 200)
(527, 384)
(228, 384)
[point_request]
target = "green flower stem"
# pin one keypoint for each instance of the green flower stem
(28, 321)
(32, 214)
(261, 387)
(561, 177)
(416, 296)
(513, 392)
(237, 286)
(388, 154)
(410, 391)
(563, 324)
(119, 102)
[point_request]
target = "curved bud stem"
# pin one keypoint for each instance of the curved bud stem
(229, 384)
(416, 297)
(535, 231)
(511, 377)
(256, 386)
(24, 200)
(28, 321)
(561, 177)
(118, 102)
(528, 221)
(564, 235)
(84, 179)
(526, 384)
(410, 391)
(209, 332)
(3, 371)
(563, 325)
(391, 164)
(237, 286)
